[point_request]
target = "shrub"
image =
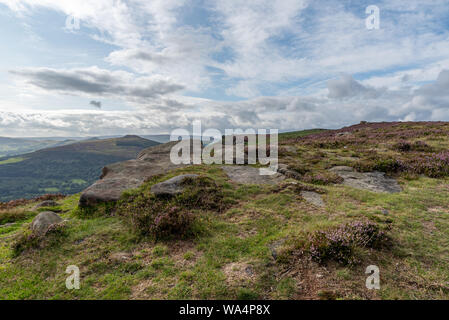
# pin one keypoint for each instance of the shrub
(434, 166)
(322, 178)
(389, 165)
(172, 222)
(405, 146)
(338, 244)
(164, 218)
(28, 240)
(201, 193)
(299, 168)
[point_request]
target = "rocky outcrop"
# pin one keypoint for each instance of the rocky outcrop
(171, 187)
(373, 181)
(43, 221)
(118, 177)
(122, 176)
(250, 175)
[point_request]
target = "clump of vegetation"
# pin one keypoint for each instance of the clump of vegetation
(13, 215)
(434, 166)
(322, 178)
(299, 168)
(338, 244)
(419, 146)
(174, 217)
(23, 202)
(29, 240)
(201, 193)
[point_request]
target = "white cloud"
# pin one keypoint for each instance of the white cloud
(312, 52)
(94, 81)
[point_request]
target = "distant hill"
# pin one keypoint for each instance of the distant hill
(16, 146)
(66, 168)
(162, 138)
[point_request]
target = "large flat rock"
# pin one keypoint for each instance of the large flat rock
(121, 176)
(250, 175)
(373, 181)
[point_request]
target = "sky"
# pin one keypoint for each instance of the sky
(112, 67)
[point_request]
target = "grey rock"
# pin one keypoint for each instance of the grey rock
(274, 248)
(313, 198)
(250, 175)
(43, 221)
(121, 176)
(46, 203)
(249, 271)
(283, 169)
(373, 181)
(119, 257)
(171, 187)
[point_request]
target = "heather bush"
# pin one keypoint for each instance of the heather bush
(322, 178)
(201, 193)
(29, 240)
(299, 168)
(405, 146)
(175, 217)
(174, 221)
(434, 166)
(338, 244)
(389, 165)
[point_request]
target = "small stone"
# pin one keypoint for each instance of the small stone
(46, 203)
(119, 257)
(274, 248)
(43, 221)
(385, 212)
(171, 187)
(249, 271)
(313, 198)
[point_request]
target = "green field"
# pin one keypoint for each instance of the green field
(11, 160)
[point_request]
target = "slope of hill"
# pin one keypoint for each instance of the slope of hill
(16, 146)
(310, 234)
(65, 169)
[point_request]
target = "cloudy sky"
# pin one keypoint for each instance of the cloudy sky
(80, 68)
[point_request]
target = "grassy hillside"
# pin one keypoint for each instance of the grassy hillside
(16, 146)
(258, 241)
(66, 169)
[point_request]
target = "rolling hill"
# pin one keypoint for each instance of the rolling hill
(16, 146)
(64, 169)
